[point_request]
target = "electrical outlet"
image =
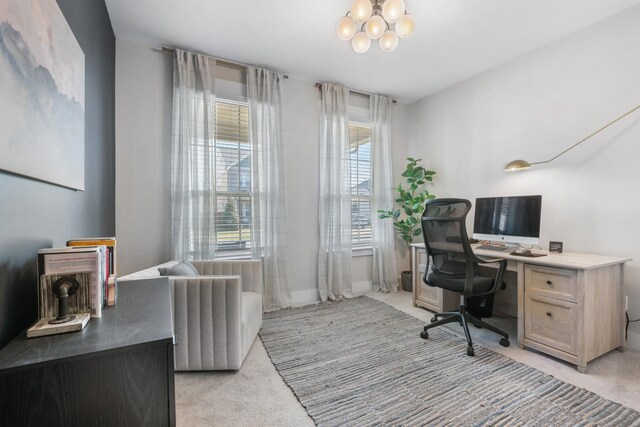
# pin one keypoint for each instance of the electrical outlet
(626, 303)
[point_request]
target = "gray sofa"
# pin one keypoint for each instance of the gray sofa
(216, 315)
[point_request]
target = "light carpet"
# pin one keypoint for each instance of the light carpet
(361, 362)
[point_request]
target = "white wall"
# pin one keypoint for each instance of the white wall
(143, 141)
(534, 107)
(143, 156)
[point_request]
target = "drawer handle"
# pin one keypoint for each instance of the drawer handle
(549, 314)
(549, 282)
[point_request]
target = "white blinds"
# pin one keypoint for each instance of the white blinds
(360, 159)
(232, 164)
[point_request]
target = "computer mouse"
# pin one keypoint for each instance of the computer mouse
(526, 252)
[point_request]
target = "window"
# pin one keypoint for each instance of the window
(230, 163)
(232, 160)
(360, 154)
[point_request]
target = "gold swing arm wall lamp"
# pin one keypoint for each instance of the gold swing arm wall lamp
(516, 165)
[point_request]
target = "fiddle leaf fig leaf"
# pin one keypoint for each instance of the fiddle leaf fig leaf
(410, 201)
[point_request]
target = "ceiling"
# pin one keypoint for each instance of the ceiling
(454, 39)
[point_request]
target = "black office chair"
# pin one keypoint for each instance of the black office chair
(454, 265)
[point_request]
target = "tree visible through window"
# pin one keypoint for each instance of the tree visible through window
(360, 155)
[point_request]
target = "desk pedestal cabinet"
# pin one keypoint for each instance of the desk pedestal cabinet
(570, 306)
(432, 298)
(574, 315)
(118, 371)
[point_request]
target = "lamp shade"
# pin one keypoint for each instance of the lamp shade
(405, 25)
(361, 42)
(392, 10)
(346, 28)
(361, 10)
(516, 165)
(375, 27)
(389, 41)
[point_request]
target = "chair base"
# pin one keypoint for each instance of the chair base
(463, 317)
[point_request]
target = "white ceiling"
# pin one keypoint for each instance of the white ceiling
(454, 39)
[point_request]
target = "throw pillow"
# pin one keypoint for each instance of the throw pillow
(183, 268)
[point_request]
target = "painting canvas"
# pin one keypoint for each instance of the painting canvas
(41, 94)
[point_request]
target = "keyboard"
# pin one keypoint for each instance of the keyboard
(494, 248)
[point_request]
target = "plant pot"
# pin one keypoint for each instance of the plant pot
(406, 279)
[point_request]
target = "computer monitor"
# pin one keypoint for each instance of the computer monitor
(514, 219)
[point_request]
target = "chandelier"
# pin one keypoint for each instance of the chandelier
(383, 20)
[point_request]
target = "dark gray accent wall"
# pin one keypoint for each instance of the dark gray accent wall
(36, 215)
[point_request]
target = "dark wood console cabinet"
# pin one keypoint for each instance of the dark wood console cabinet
(118, 371)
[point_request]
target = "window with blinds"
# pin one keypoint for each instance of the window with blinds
(360, 156)
(232, 168)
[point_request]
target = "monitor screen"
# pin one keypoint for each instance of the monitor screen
(514, 219)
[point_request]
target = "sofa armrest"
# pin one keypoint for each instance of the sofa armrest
(249, 270)
(207, 321)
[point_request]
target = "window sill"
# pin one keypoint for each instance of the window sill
(362, 251)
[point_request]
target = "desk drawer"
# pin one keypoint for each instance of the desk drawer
(552, 282)
(551, 322)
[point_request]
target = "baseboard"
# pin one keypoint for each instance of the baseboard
(360, 287)
(305, 297)
(633, 341)
(312, 296)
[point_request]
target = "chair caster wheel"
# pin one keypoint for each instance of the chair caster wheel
(470, 351)
(434, 319)
(504, 342)
(477, 325)
(424, 335)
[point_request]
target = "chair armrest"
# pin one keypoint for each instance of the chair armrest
(497, 282)
(249, 270)
(207, 313)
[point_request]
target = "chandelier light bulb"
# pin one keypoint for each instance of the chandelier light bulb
(405, 25)
(375, 27)
(389, 41)
(346, 28)
(361, 10)
(361, 42)
(392, 10)
(384, 20)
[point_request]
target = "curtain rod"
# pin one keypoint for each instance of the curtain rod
(225, 62)
(319, 86)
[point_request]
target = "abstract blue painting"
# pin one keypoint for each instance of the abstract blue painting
(41, 94)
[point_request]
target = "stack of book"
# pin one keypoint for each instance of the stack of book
(91, 262)
(109, 244)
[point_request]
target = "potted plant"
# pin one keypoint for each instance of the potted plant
(411, 200)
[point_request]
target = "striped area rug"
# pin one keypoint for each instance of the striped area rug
(361, 362)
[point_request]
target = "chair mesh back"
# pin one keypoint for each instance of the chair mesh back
(444, 230)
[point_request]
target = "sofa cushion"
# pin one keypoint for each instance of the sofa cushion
(183, 268)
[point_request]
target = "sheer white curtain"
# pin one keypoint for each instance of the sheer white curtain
(192, 179)
(334, 254)
(384, 276)
(268, 210)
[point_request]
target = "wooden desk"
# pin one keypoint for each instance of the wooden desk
(569, 305)
(118, 371)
